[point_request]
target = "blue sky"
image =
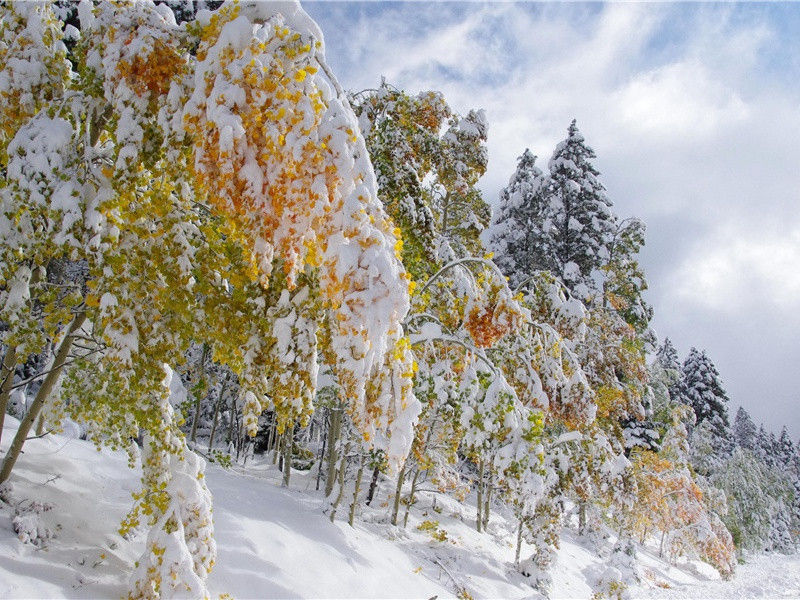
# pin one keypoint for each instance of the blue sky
(694, 112)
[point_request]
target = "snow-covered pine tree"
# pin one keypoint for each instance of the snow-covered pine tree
(703, 391)
(578, 219)
(744, 430)
(517, 235)
(667, 357)
(785, 450)
(764, 448)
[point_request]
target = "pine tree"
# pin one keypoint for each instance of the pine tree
(578, 216)
(744, 430)
(785, 450)
(764, 449)
(703, 391)
(517, 237)
(667, 358)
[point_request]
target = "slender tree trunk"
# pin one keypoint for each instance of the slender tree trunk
(411, 496)
(277, 455)
(661, 545)
(488, 502)
(582, 517)
(398, 492)
(341, 474)
(216, 415)
(479, 517)
(272, 434)
(519, 542)
(356, 490)
(373, 484)
(41, 396)
(334, 433)
(7, 373)
(277, 446)
(321, 456)
(200, 393)
(232, 422)
(288, 450)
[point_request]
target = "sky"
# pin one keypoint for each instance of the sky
(693, 110)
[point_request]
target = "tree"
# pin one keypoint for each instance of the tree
(624, 283)
(517, 236)
(578, 216)
(428, 160)
(703, 392)
(744, 430)
(206, 187)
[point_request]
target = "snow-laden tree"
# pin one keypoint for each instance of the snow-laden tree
(702, 390)
(686, 517)
(624, 282)
(744, 430)
(577, 216)
(562, 222)
(196, 182)
(517, 236)
(759, 502)
(428, 160)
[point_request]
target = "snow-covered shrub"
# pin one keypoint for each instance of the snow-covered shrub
(28, 524)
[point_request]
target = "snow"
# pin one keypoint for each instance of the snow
(275, 542)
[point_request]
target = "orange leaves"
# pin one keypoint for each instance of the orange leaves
(258, 152)
(152, 73)
(492, 315)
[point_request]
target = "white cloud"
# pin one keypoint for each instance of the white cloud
(740, 271)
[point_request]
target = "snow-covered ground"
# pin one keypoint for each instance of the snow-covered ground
(278, 543)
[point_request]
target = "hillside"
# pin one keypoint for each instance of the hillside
(277, 543)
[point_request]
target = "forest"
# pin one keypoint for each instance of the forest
(212, 254)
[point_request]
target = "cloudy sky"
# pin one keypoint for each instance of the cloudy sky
(694, 113)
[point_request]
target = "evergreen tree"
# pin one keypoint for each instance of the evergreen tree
(785, 450)
(744, 430)
(703, 391)
(577, 216)
(667, 358)
(517, 235)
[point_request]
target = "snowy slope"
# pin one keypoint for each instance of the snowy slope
(278, 543)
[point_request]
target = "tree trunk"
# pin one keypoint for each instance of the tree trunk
(272, 434)
(519, 542)
(334, 433)
(411, 496)
(277, 446)
(216, 415)
(7, 373)
(582, 517)
(41, 396)
(488, 502)
(479, 517)
(288, 450)
(341, 473)
(277, 455)
(200, 393)
(373, 484)
(321, 456)
(357, 489)
(401, 476)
